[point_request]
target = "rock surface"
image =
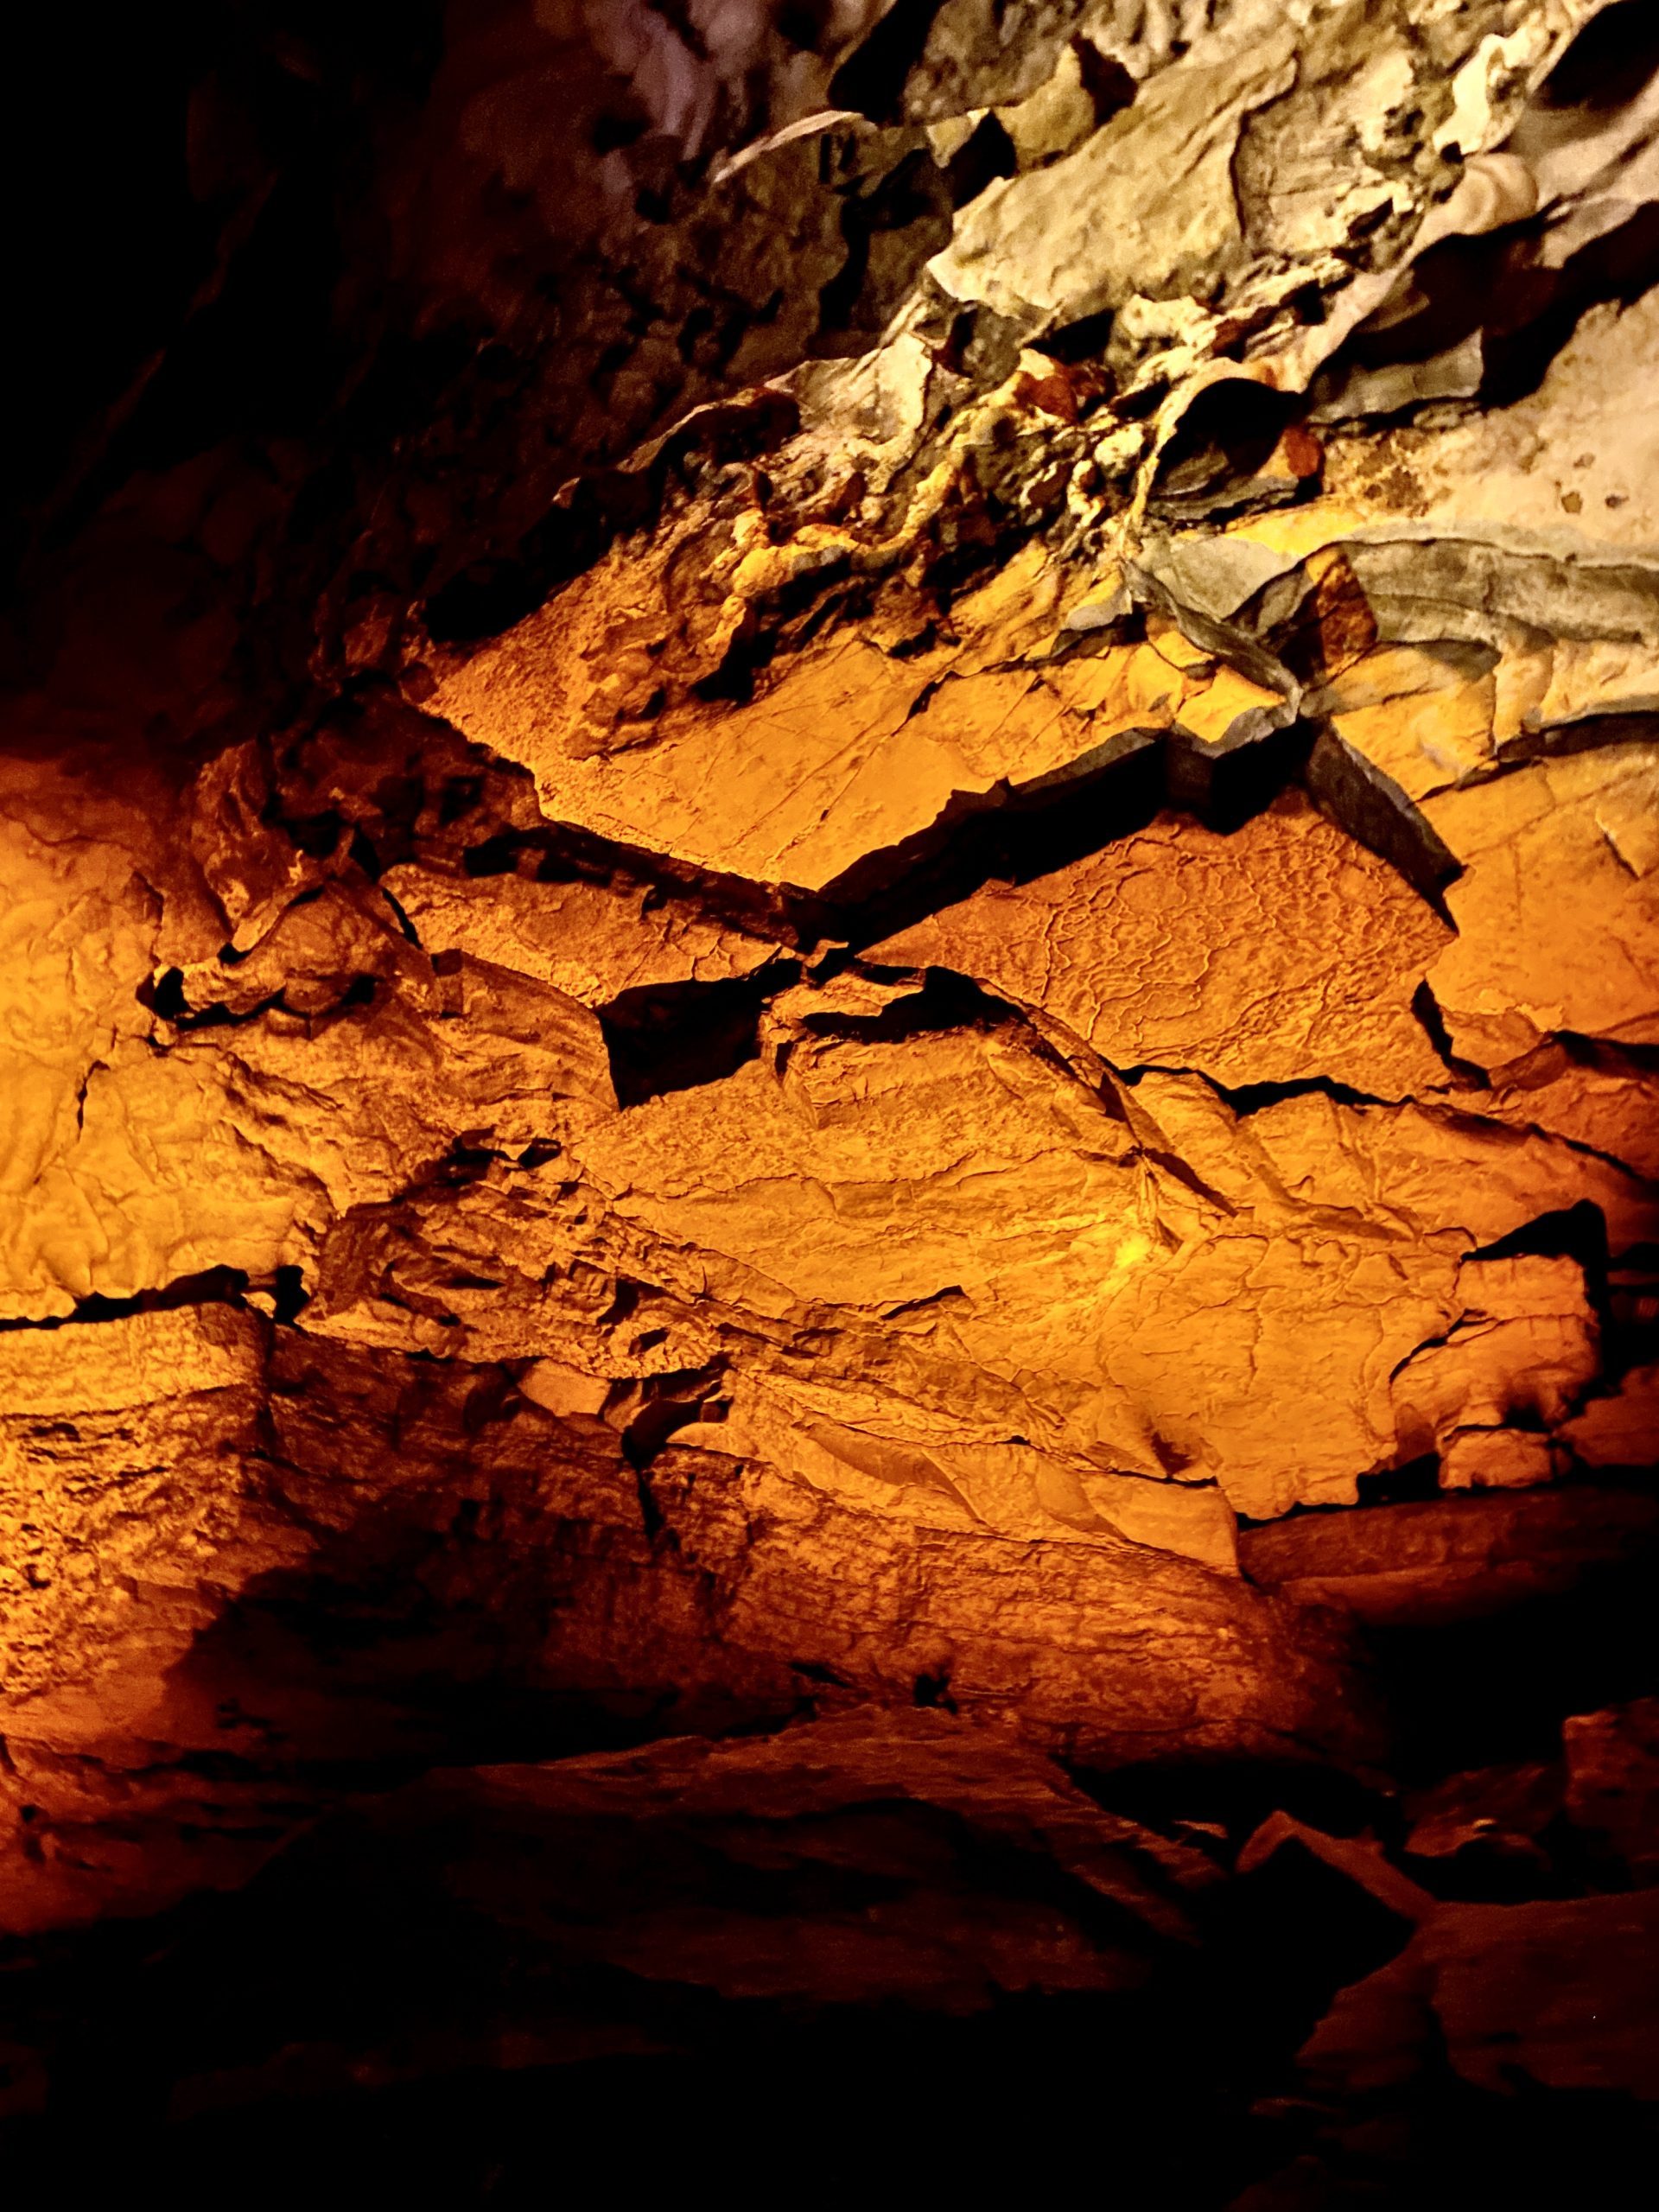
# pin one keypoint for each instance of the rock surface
(833, 907)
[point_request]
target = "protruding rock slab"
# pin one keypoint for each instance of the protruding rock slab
(521, 1562)
(849, 1885)
(1490, 1814)
(1620, 1430)
(1557, 909)
(1243, 957)
(1449, 1558)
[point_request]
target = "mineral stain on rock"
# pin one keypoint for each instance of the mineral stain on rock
(828, 1225)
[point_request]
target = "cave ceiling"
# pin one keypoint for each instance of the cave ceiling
(830, 840)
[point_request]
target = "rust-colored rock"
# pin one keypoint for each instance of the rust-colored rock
(1238, 957)
(1613, 1783)
(1495, 1813)
(1620, 1430)
(821, 900)
(711, 1587)
(1449, 1558)
(1556, 1995)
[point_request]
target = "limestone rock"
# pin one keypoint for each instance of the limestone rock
(1524, 966)
(1622, 1430)
(1234, 956)
(1559, 1995)
(590, 941)
(1498, 1812)
(842, 756)
(192, 1558)
(127, 1495)
(1613, 1781)
(1035, 242)
(1595, 1100)
(1449, 1558)
(608, 1913)
(1360, 1860)
(817, 898)
(1527, 1345)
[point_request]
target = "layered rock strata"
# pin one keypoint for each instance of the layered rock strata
(907, 958)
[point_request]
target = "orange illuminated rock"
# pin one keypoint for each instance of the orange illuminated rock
(1124, 1279)
(1423, 714)
(1558, 906)
(189, 1552)
(1621, 1430)
(840, 758)
(1609, 1105)
(846, 749)
(775, 983)
(1527, 1345)
(1243, 957)
(1425, 1561)
(591, 941)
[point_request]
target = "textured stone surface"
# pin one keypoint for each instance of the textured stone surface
(830, 933)
(1445, 1559)
(1238, 957)
(352, 1575)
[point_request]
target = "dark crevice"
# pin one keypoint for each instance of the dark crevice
(1591, 734)
(1234, 1795)
(667, 1037)
(410, 933)
(1246, 1099)
(209, 1287)
(1014, 834)
(1228, 783)
(1611, 60)
(986, 155)
(913, 198)
(1371, 807)
(1255, 1097)
(1586, 1647)
(945, 1000)
(165, 996)
(290, 1295)
(592, 511)
(1412, 1480)
(664, 1405)
(871, 81)
(1575, 1232)
(934, 1691)
(1427, 1009)
(1073, 343)
(1212, 465)
(558, 853)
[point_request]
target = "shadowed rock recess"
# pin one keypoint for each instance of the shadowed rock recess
(829, 1099)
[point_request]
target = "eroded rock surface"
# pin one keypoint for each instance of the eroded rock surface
(853, 906)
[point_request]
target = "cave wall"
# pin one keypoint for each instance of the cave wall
(828, 857)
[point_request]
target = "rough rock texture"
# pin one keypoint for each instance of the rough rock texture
(841, 893)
